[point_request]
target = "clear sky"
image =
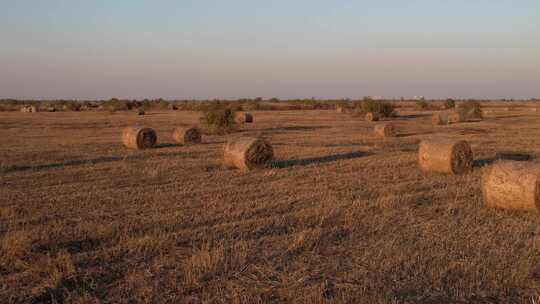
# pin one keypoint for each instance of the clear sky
(272, 48)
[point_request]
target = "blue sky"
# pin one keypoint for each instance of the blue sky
(287, 49)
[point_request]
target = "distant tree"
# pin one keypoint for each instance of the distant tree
(471, 109)
(422, 104)
(218, 118)
(449, 104)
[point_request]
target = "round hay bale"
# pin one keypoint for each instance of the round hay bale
(247, 153)
(512, 185)
(138, 137)
(249, 117)
(243, 117)
(187, 135)
(445, 156)
(339, 109)
(373, 116)
(29, 109)
(439, 119)
(456, 117)
(385, 130)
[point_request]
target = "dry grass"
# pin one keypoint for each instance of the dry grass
(342, 216)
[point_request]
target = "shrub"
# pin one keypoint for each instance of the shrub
(217, 118)
(236, 106)
(114, 105)
(342, 104)
(71, 106)
(10, 105)
(250, 105)
(385, 109)
(471, 109)
(156, 105)
(422, 105)
(449, 104)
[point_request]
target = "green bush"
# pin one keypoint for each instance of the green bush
(12, 104)
(385, 109)
(217, 118)
(422, 105)
(236, 106)
(250, 105)
(472, 109)
(71, 106)
(449, 104)
(156, 105)
(114, 105)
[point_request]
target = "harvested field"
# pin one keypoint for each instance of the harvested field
(341, 217)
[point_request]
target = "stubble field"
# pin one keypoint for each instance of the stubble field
(341, 217)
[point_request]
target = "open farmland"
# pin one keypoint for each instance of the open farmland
(342, 216)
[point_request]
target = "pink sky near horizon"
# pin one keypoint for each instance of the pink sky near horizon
(349, 49)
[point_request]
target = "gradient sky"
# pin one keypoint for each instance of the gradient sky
(93, 49)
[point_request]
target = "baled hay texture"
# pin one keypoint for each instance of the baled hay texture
(385, 130)
(187, 135)
(445, 156)
(139, 137)
(372, 116)
(512, 185)
(247, 153)
(439, 119)
(243, 117)
(29, 109)
(456, 117)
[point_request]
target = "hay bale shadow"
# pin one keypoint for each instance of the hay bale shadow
(319, 160)
(514, 156)
(80, 162)
(413, 134)
(472, 131)
(167, 145)
(411, 116)
(16, 168)
(506, 116)
(297, 128)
